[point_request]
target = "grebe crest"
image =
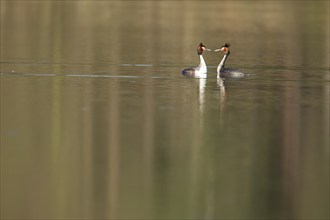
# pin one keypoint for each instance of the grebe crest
(224, 48)
(200, 48)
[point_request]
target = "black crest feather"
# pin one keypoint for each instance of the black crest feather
(227, 45)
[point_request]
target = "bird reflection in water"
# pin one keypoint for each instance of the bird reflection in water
(222, 96)
(202, 85)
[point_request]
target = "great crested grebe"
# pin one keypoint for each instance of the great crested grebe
(201, 70)
(227, 72)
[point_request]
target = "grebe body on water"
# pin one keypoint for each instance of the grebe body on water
(201, 70)
(227, 72)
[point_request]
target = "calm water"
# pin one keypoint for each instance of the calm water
(97, 121)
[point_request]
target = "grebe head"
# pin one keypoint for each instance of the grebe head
(224, 48)
(201, 48)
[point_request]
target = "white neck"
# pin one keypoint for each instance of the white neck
(202, 65)
(221, 65)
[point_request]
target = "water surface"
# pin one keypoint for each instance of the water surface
(97, 121)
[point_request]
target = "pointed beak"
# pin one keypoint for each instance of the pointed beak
(217, 50)
(207, 49)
